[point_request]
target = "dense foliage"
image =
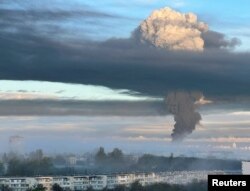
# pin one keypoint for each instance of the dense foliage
(160, 163)
(136, 186)
(38, 187)
(35, 164)
(195, 186)
(113, 162)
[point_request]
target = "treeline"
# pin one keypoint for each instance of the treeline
(148, 163)
(136, 186)
(36, 163)
(114, 161)
(161, 163)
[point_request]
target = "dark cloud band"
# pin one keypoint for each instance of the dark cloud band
(123, 64)
(27, 54)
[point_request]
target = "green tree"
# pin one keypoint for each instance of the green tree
(120, 188)
(57, 187)
(100, 156)
(136, 186)
(90, 188)
(15, 167)
(60, 160)
(36, 155)
(5, 158)
(1, 168)
(116, 155)
(38, 187)
(5, 188)
(105, 189)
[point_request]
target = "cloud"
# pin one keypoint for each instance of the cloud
(81, 108)
(14, 15)
(221, 140)
(215, 39)
(67, 20)
(32, 90)
(25, 96)
(166, 28)
(124, 64)
(118, 130)
(240, 113)
(173, 30)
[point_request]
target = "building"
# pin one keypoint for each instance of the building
(98, 182)
(45, 181)
(18, 184)
(245, 167)
(81, 183)
(72, 160)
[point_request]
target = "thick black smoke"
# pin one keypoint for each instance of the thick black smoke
(182, 105)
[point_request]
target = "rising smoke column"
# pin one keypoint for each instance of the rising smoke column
(182, 105)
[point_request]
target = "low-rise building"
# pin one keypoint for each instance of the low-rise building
(98, 182)
(47, 182)
(246, 167)
(18, 183)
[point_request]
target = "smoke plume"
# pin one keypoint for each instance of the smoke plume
(166, 28)
(173, 30)
(182, 105)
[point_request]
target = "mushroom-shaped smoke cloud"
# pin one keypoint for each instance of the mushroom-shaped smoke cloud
(173, 30)
(182, 105)
(166, 28)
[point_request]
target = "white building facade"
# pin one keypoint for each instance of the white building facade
(246, 167)
(99, 182)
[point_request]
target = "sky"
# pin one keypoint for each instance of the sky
(73, 72)
(102, 20)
